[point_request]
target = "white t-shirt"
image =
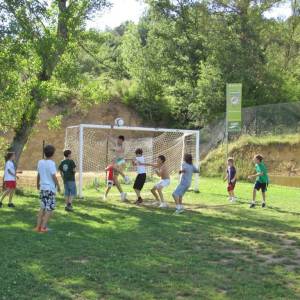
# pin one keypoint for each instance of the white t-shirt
(46, 168)
(140, 169)
(9, 165)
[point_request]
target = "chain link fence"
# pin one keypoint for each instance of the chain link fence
(272, 130)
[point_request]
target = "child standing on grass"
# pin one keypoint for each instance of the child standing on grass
(112, 172)
(9, 179)
(231, 179)
(163, 173)
(67, 171)
(262, 179)
(47, 184)
(186, 171)
(141, 175)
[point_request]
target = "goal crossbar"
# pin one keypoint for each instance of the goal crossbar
(185, 132)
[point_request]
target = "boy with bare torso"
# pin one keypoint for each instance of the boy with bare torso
(163, 172)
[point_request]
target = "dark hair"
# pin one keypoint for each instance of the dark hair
(258, 157)
(188, 158)
(67, 153)
(121, 137)
(139, 151)
(162, 158)
(49, 151)
(9, 155)
(230, 159)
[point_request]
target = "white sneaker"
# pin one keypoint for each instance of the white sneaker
(230, 199)
(123, 196)
(127, 180)
(104, 198)
(179, 211)
(163, 205)
(233, 199)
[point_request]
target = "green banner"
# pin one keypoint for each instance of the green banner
(234, 106)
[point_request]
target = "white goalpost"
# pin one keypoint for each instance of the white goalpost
(91, 149)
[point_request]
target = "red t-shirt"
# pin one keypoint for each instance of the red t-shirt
(110, 172)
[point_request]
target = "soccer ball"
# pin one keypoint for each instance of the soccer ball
(119, 122)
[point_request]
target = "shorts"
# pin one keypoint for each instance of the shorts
(163, 183)
(260, 186)
(231, 186)
(139, 181)
(70, 188)
(120, 161)
(180, 190)
(110, 183)
(10, 185)
(47, 200)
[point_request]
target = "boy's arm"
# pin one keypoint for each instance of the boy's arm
(196, 170)
(38, 181)
(226, 177)
(56, 182)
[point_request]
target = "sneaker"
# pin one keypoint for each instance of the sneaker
(11, 205)
(0, 204)
(139, 201)
(233, 199)
(179, 211)
(163, 205)
(263, 204)
(252, 205)
(123, 197)
(127, 180)
(230, 199)
(104, 198)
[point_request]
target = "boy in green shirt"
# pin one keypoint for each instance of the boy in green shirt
(67, 171)
(262, 179)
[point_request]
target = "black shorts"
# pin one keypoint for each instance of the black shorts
(139, 181)
(260, 186)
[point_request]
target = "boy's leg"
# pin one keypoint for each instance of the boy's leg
(264, 198)
(5, 193)
(163, 203)
(11, 194)
(40, 218)
(253, 198)
(118, 186)
(108, 188)
(46, 218)
(154, 193)
(138, 193)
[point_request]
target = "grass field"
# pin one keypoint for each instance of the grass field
(113, 250)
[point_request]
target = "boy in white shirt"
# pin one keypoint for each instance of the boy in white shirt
(47, 184)
(9, 179)
(141, 175)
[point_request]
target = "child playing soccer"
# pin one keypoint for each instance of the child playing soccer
(187, 170)
(163, 173)
(119, 157)
(9, 179)
(231, 179)
(262, 179)
(112, 179)
(141, 175)
(47, 183)
(67, 171)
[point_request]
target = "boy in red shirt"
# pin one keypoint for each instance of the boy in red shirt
(112, 179)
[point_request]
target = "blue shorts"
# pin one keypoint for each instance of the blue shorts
(261, 186)
(70, 188)
(180, 190)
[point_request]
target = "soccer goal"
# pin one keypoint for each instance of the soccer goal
(91, 148)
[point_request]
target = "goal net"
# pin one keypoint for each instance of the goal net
(92, 148)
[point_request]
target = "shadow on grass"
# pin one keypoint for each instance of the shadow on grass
(108, 251)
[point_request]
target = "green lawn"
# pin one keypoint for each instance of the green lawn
(113, 250)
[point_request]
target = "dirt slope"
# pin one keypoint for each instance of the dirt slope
(98, 114)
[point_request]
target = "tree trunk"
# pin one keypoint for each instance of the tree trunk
(30, 115)
(27, 123)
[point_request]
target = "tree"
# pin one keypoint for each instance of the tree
(49, 32)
